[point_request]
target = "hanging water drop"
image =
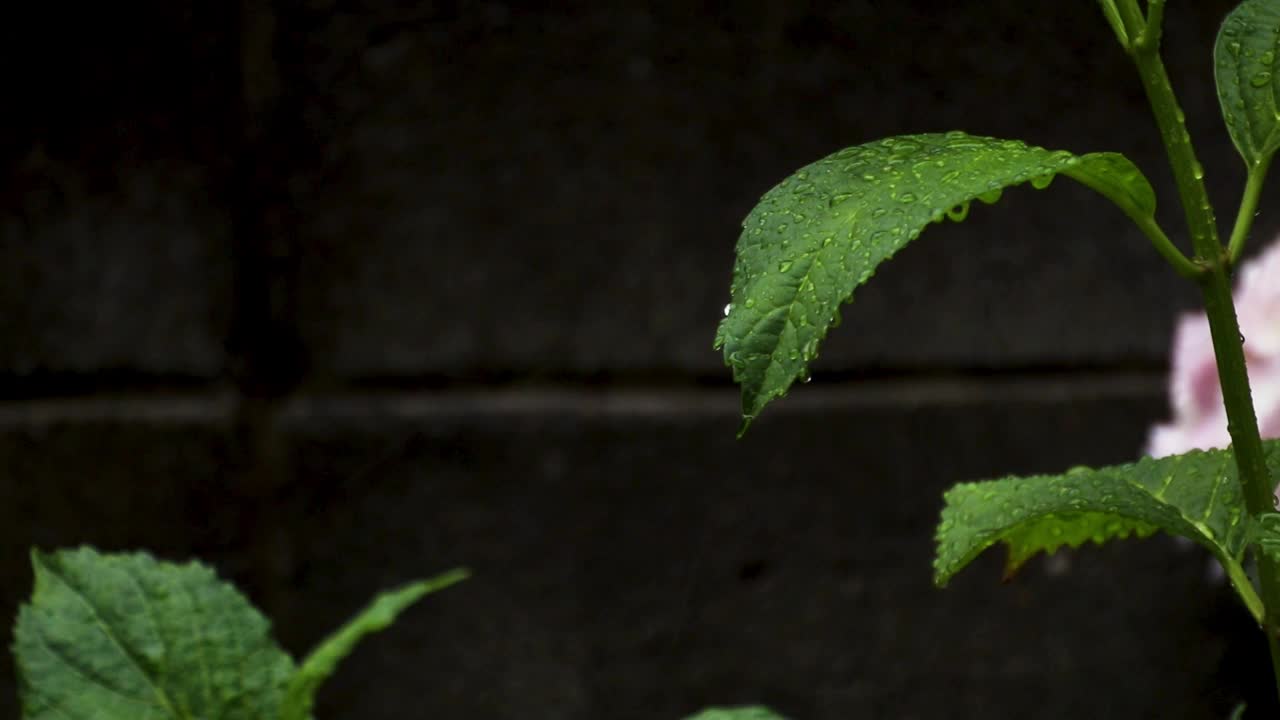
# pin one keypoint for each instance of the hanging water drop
(810, 349)
(727, 308)
(1041, 182)
(991, 196)
(959, 212)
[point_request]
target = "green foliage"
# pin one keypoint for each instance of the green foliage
(127, 637)
(124, 637)
(1244, 65)
(1264, 533)
(379, 615)
(817, 236)
(1196, 495)
(821, 233)
(1119, 180)
(754, 712)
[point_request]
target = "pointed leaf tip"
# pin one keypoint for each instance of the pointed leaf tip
(377, 616)
(821, 233)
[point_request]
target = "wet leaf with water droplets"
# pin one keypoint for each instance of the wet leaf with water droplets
(1196, 495)
(1244, 55)
(839, 218)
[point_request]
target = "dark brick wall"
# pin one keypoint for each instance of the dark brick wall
(335, 294)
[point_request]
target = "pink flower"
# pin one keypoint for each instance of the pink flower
(1200, 421)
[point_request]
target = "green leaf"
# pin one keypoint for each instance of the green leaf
(1238, 713)
(126, 637)
(1196, 495)
(1244, 57)
(379, 615)
(1265, 534)
(754, 712)
(821, 233)
(1120, 181)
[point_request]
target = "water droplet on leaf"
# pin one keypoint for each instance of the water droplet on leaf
(959, 212)
(991, 196)
(810, 349)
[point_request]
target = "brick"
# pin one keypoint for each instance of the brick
(558, 190)
(633, 561)
(113, 220)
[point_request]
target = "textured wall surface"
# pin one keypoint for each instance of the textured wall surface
(334, 294)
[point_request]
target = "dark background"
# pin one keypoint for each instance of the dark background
(338, 294)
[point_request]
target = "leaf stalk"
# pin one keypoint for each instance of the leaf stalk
(1248, 208)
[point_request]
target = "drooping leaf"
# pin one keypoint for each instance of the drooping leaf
(1248, 80)
(379, 615)
(754, 712)
(1196, 495)
(821, 233)
(126, 637)
(1119, 180)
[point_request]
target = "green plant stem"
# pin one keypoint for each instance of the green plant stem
(1187, 172)
(1242, 424)
(1224, 328)
(1150, 37)
(1132, 19)
(1248, 208)
(1167, 249)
